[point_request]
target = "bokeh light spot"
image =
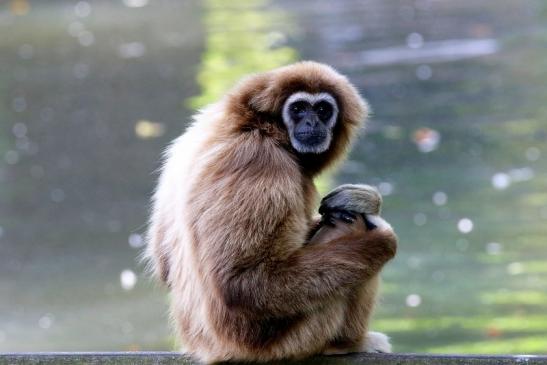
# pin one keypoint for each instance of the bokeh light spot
(145, 129)
(128, 279)
(465, 225)
(413, 300)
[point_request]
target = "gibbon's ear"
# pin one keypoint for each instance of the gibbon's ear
(248, 98)
(261, 93)
(269, 97)
(245, 90)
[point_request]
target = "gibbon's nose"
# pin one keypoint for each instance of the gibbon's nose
(311, 120)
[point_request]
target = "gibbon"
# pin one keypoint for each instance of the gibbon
(254, 275)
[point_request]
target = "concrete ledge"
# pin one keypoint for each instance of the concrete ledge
(172, 358)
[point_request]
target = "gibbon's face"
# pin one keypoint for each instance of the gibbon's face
(310, 119)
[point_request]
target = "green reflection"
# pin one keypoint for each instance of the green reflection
(518, 345)
(242, 38)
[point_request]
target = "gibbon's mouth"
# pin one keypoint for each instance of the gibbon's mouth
(311, 138)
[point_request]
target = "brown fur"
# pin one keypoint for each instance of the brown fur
(271, 281)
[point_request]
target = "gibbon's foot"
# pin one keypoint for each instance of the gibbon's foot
(375, 342)
(361, 199)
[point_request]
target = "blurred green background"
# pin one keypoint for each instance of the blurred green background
(92, 91)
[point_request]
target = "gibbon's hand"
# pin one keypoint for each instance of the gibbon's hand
(349, 200)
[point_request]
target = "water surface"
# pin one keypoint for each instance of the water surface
(92, 91)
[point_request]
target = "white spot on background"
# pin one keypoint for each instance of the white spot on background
(82, 9)
(414, 40)
(19, 130)
(145, 129)
(522, 174)
(385, 188)
(515, 268)
(46, 321)
(533, 154)
(131, 50)
(426, 139)
(420, 219)
(11, 157)
(413, 300)
(465, 225)
(86, 38)
(417, 51)
(494, 248)
(135, 3)
(128, 279)
(501, 181)
(440, 198)
(135, 240)
(424, 72)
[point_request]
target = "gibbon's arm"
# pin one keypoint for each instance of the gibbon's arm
(307, 279)
(246, 208)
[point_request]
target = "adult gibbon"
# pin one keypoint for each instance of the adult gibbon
(253, 274)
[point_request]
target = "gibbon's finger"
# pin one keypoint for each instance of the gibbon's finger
(344, 216)
(379, 222)
(331, 216)
(370, 226)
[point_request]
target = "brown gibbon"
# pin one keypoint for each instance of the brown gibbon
(254, 274)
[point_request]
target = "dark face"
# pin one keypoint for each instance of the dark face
(309, 119)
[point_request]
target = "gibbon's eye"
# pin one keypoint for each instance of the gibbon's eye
(323, 110)
(298, 107)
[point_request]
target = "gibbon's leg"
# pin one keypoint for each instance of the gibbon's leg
(353, 335)
(365, 201)
(332, 322)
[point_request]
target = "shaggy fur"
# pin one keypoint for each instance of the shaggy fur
(253, 276)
